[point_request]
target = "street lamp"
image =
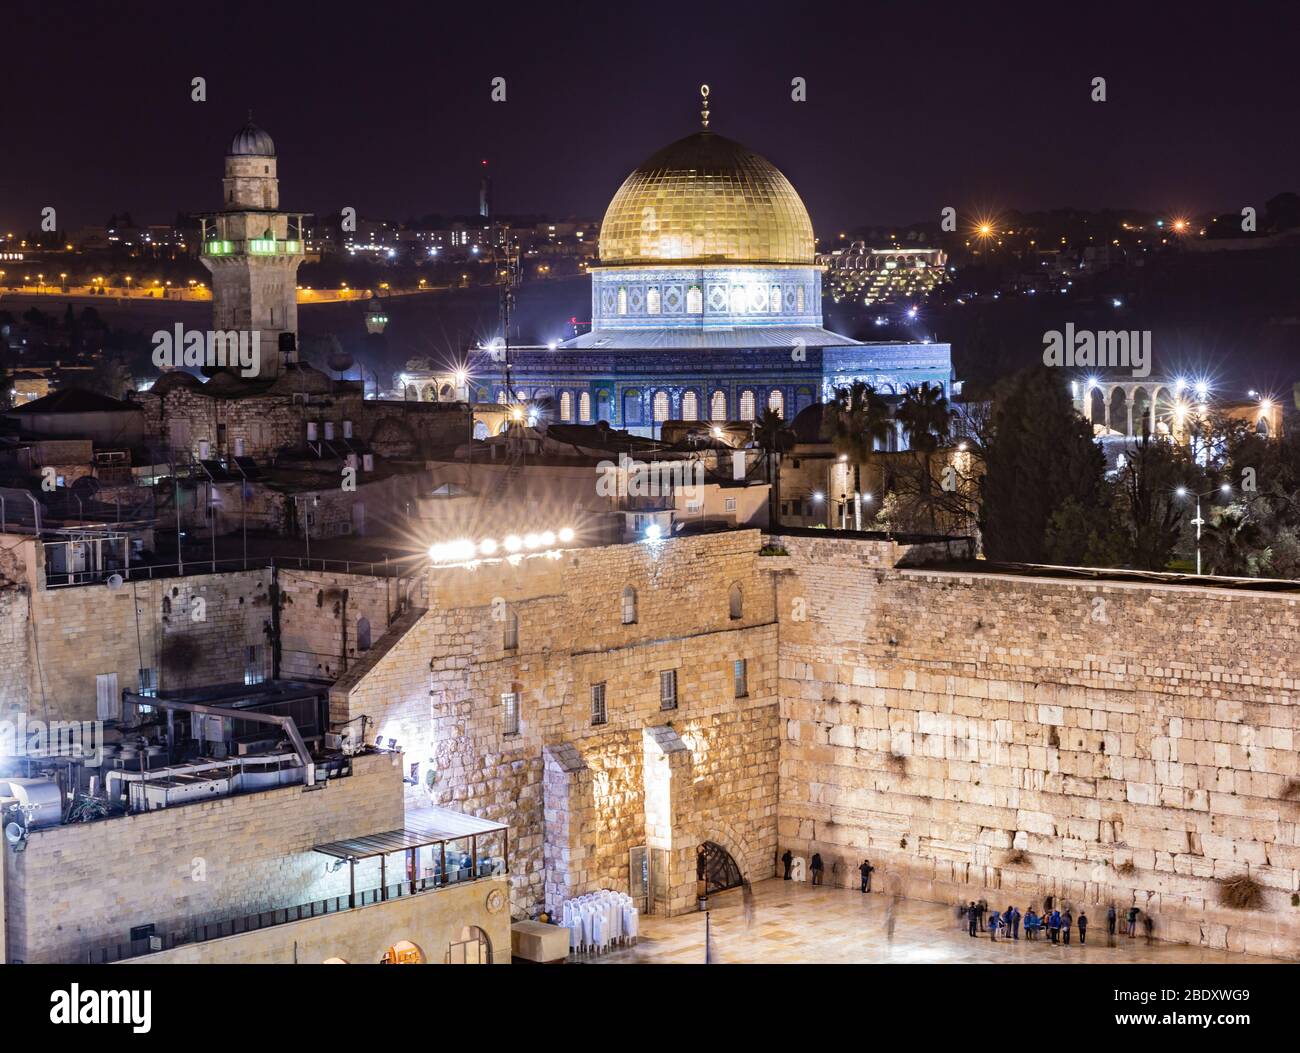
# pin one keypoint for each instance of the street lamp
(1199, 521)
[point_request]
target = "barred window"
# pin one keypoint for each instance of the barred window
(668, 689)
(510, 635)
(740, 674)
(598, 711)
(510, 706)
(690, 406)
(629, 605)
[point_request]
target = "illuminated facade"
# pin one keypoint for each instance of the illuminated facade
(706, 305)
(253, 251)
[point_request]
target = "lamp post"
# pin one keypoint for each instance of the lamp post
(1199, 521)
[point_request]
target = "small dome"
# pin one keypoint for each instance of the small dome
(251, 141)
(706, 198)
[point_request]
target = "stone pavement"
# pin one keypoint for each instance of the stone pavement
(797, 923)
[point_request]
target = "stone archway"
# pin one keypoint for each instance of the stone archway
(724, 835)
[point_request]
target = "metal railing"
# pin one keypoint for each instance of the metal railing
(319, 908)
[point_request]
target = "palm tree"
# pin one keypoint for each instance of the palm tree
(856, 421)
(927, 421)
(775, 438)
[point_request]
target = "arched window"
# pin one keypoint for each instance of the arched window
(510, 634)
(632, 406)
(694, 300)
(501, 398)
(718, 410)
(690, 406)
(798, 298)
(629, 606)
(584, 407)
(776, 402)
(622, 301)
(735, 603)
(566, 406)
(652, 300)
(746, 405)
(363, 633)
(775, 299)
(737, 299)
(473, 948)
(661, 407)
(445, 393)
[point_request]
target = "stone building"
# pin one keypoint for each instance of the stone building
(706, 306)
(628, 710)
(253, 251)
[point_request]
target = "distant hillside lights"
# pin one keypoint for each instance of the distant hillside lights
(213, 348)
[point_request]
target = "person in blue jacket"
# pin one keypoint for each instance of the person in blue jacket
(1054, 926)
(995, 922)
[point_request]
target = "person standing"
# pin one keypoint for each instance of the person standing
(1110, 924)
(817, 868)
(1133, 913)
(1067, 920)
(788, 860)
(995, 919)
(981, 909)
(1083, 926)
(1149, 926)
(865, 870)
(1054, 926)
(971, 916)
(1015, 923)
(1031, 924)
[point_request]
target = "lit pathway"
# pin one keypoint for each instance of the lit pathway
(795, 922)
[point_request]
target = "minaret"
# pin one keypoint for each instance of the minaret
(253, 251)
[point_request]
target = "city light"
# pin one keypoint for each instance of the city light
(653, 532)
(465, 550)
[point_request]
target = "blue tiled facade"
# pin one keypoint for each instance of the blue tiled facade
(621, 385)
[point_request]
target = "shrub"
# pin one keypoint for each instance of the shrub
(1241, 893)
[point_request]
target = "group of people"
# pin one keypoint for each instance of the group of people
(818, 869)
(1057, 923)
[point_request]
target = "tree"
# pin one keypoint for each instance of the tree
(1039, 453)
(926, 421)
(855, 421)
(1151, 514)
(775, 438)
(113, 377)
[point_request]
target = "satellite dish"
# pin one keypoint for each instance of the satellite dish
(14, 833)
(114, 582)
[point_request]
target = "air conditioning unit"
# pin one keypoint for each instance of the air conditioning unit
(347, 429)
(329, 430)
(239, 447)
(367, 462)
(205, 450)
(311, 431)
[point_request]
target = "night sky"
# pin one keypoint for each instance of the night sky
(386, 107)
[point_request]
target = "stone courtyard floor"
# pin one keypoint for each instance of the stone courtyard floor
(799, 923)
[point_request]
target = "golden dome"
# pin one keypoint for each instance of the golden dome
(706, 198)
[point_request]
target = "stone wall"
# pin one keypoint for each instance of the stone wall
(1137, 743)
(78, 887)
(432, 921)
(192, 631)
(437, 686)
(320, 616)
